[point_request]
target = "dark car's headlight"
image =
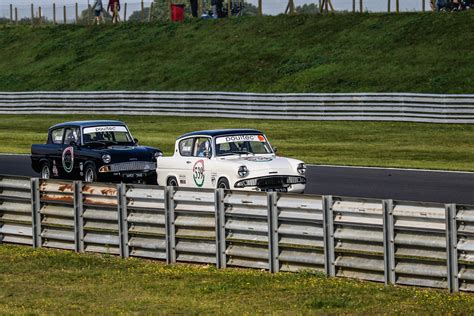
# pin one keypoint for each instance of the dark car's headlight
(301, 168)
(106, 158)
(243, 171)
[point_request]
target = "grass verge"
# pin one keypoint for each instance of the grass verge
(408, 145)
(59, 282)
(406, 52)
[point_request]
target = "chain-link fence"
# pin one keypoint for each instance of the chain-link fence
(82, 12)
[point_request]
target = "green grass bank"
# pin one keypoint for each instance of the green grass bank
(414, 145)
(409, 52)
(59, 282)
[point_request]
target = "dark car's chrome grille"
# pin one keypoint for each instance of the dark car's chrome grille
(132, 166)
(275, 182)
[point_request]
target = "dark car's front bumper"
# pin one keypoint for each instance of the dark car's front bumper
(129, 172)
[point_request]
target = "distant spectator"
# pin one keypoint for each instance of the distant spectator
(98, 7)
(441, 4)
(194, 8)
(114, 8)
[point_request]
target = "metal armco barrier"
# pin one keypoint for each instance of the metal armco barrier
(407, 107)
(395, 242)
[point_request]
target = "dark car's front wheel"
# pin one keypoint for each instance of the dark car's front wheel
(45, 171)
(90, 175)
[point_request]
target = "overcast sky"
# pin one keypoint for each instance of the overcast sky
(269, 6)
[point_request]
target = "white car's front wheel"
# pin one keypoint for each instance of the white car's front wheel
(223, 183)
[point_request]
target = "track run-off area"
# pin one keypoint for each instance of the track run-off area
(380, 183)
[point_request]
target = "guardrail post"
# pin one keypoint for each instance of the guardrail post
(388, 242)
(35, 213)
(122, 218)
(451, 248)
(221, 260)
(273, 250)
(328, 232)
(78, 218)
(170, 227)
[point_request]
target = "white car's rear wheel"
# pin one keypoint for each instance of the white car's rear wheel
(172, 182)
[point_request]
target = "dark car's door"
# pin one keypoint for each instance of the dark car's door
(70, 152)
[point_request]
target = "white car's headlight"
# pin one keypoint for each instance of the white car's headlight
(301, 168)
(243, 171)
(158, 154)
(106, 158)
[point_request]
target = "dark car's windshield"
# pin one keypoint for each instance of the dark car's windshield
(242, 144)
(106, 135)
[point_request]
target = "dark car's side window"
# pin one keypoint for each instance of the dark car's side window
(71, 135)
(186, 147)
(57, 136)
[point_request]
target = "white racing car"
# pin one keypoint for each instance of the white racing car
(237, 159)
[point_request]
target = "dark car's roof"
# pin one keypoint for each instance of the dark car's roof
(220, 132)
(88, 123)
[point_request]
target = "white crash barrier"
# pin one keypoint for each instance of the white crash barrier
(404, 107)
(395, 242)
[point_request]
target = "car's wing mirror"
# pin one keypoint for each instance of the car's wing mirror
(275, 150)
(73, 144)
(135, 140)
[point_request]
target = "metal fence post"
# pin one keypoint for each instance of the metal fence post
(150, 13)
(328, 232)
(122, 218)
(272, 218)
(32, 15)
(78, 217)
(125, 13)
(388, 242)
(65, 16)
(451, 248)
(221, 260)
(170, 227)
(35, 213)
(388, 6)
(54, 13)
(11, 13)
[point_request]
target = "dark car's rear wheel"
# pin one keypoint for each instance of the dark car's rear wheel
(90, 175)
(45, 171)
(223, 183)
(172, 182)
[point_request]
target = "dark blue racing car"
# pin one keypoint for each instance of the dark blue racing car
(94, 151)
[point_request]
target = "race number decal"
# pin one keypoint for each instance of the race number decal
(68, 159)
(198, 173)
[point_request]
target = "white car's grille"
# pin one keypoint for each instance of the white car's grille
(132, 166)
(271, 182)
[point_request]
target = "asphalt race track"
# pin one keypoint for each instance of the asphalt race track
(397, 184)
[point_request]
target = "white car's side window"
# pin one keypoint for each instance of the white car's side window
(186, 147)
(202, 147)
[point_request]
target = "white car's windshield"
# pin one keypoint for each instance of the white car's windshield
(106, 134)
(242, 144)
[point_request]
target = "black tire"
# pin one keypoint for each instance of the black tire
(45, 172)
(172, 182)
(90, 175)
(223, 183)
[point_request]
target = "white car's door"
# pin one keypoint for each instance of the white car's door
(198, 165)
